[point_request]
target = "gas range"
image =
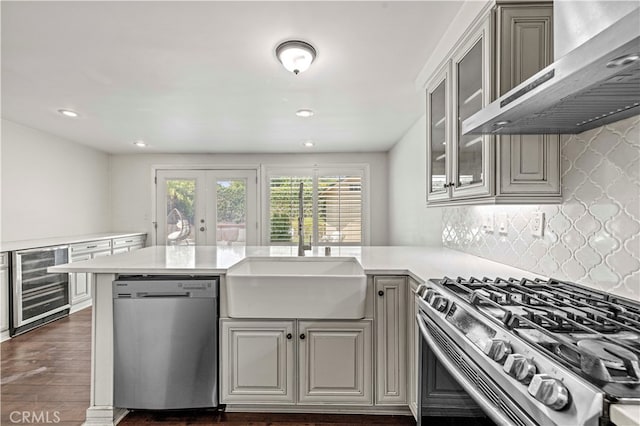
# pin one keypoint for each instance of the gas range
(533, 351)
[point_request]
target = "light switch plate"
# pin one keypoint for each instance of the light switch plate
(537, 224)
(503, 223)
(487, 223)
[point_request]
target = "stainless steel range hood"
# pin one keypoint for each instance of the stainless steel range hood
(594, 84)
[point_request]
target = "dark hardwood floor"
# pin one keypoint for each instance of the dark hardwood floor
(45, 373)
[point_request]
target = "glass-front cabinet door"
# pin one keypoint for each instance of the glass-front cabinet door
(438, 135)
(471, 155)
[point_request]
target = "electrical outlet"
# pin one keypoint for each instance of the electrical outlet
(503, 222)
(487, 223)
(537, 224)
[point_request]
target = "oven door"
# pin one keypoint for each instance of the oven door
(491, 400)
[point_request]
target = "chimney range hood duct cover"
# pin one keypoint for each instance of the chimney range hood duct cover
(596, 83)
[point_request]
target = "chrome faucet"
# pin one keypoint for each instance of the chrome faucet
(301, 246)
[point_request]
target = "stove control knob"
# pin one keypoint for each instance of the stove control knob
(497, 349)
(519, 367)
(551, 392)
(429, 294)
(439, 303)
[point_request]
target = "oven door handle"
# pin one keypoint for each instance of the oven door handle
(490, 410)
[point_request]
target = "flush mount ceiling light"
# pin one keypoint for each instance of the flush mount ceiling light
(304, 113)
(68, 113)
(141, 144)
(295, 55)
(308, 144)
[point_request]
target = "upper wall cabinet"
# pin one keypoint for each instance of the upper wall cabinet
(511, 43)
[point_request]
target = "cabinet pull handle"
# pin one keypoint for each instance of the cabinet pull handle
(381, 293)
(90, 247)
(302, 336)
(289, 336)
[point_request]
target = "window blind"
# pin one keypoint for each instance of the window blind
(284, 207)
(340, 209)
(333, 208)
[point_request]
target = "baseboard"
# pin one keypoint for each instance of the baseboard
(401, 410)
(104, 416)
(80, 306)
(4, 336)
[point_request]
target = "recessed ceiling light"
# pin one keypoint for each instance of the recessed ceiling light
(141, 144)
(308, 144)
(304, 113)
(68, 113)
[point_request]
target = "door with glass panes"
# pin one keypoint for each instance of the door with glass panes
(207, 207)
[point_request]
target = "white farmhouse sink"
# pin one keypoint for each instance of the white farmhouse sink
(296, 287)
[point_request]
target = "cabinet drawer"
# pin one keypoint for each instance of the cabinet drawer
(135, 240)
(4, 260)
(90, 246)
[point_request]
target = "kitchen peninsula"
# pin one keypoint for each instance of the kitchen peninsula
(412, 265)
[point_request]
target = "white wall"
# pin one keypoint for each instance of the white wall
(132, 186)
(50, 186)
(410, 222)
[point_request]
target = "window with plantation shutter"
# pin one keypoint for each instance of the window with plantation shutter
(284, 208)
(340, 209)
(334, 209)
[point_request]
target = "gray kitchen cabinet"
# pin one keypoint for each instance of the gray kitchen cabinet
(509, 44)
(127, 244)
(4, 295)
(80, 283)
(391, 341)
(262, 360)
(335, 359)
(527, 164)
(257, 359)
(412, 348)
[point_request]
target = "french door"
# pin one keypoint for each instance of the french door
(206, 207)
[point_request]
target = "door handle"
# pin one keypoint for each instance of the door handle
(202, 228)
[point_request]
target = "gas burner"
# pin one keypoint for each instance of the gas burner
(612, 355)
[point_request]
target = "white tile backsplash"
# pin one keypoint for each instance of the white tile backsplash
(591, 238)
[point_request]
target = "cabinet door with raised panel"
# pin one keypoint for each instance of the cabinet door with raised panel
(438, 135)
(80, 282)
(257, 362)
(391, 347)
(528, 164)
(472, 155)
(335, 359)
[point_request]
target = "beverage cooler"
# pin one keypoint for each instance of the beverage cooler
(38, 297)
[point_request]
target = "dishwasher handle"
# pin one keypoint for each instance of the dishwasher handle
(163, 294)
(154, 295)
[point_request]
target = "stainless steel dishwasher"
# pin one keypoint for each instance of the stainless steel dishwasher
(165, 342)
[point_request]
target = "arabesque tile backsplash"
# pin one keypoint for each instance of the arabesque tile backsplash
(592, 238)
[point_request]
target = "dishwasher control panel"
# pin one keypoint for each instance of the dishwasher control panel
(132, 287)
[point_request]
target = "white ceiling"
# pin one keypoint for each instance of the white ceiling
(196, 77)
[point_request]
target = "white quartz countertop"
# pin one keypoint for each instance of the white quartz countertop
(57, 241)
(422, 263)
